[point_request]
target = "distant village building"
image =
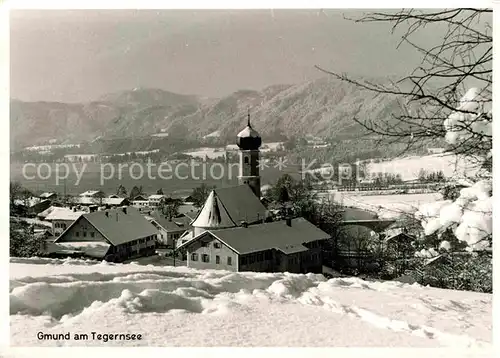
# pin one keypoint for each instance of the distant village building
(231, 231)
(92, 193)
(95, 200)
(155, 200)
(113, 235)
(170, 229)
(140, 201)
(62, 218)
(48, 195)
(32, 206)
(74, 158)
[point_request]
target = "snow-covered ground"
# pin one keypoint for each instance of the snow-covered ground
(387, 206)
(409, 167)
(185, 307)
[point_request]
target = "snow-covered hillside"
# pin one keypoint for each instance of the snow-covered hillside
(185, 307)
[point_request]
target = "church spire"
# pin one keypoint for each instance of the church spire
(249, 118)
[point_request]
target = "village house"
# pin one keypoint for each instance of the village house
(170, 228)
(62, 218)
(32, 206)
(92, 194)
(155, 200)
(232, 231)
(292, 245)
(114, 235)
(95, 200)
(140, 201)
(48, 195)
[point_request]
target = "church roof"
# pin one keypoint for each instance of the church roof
(213, 214)
(228, 207)
(248, 132)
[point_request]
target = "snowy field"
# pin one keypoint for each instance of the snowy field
(184, 307)
(387, 206)
(409, 167)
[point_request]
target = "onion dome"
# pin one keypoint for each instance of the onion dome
(249, 138)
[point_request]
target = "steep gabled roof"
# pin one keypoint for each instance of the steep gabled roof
(213, 214)
(241, 204)
(180, 223)
(276, 235)
(117, 227)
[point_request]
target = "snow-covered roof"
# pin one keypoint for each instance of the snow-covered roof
(156, 196)
(63, 214)
(213, 214)
(32, 201)
(247, 132)
(90, 193)
(87, 200)
(46, 195)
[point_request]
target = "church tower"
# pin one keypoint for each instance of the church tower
(249, 142)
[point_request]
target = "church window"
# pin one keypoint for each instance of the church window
(246, 160)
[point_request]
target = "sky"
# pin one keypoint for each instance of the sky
(80, 55)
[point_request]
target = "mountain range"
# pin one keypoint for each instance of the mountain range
(324, 107)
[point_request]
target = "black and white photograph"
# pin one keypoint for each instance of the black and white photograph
(264, 177)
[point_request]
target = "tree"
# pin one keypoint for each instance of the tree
(121, 191)
(15, 191)
(449, 95)
(170, 207)
(98, 198)
(159, 191)
(200, 194)
(23, 242)
(136, 190)
(431, 95)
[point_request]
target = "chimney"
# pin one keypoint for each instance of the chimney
(244, 224)
(289, 222)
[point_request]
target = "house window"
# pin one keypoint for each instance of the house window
(84, 234)
(77, 233)
(229, 260)
(205, 258)
(92, 234)
(217, 259)
(194, 256)
(217, 245)
(267, 255)
(204, 244)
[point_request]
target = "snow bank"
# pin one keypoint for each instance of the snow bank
(180, 306)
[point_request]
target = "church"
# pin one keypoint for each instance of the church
(233, 230)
